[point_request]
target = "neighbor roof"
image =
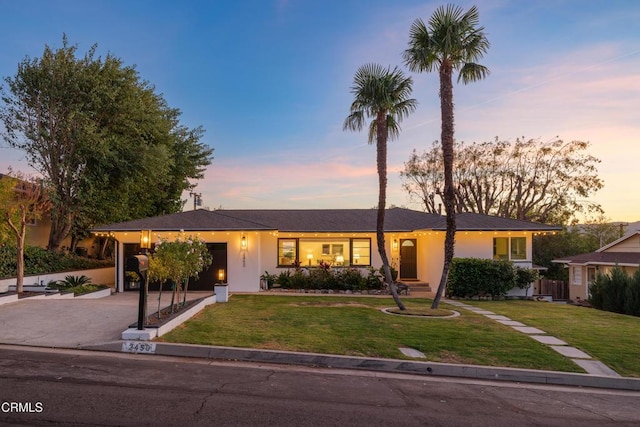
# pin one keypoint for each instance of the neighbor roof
(319, 220)
(603, 258)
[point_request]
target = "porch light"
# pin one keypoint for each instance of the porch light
(145, 239)
(394, 244)
(221, 275)
(243, 243)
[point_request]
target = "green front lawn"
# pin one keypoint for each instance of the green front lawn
(614, 339)
(356, 326)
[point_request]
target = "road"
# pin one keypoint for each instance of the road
(82, 388)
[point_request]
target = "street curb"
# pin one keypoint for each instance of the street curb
(433, 369)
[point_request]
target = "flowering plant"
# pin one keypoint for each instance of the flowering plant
(177, 261)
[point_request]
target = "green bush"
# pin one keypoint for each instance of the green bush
(632, 300)
(597, 290)
(324, 277)
(525, 277)
(40, 261)
(470, 277)
(616, 292)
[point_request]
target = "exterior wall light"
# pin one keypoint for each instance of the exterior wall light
(244, 243)
(394, 244)
(145, 239)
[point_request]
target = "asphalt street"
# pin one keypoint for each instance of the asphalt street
(84, 388)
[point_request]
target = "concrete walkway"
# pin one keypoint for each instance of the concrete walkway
(579, 357)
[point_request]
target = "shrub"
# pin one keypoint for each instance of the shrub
(325, 277)
(74, 281)
(524, 278)
(615, 291)
(351, 279)
(632, 300)
(394, 273)
(470, 277)
(40, 261)
(597, 290)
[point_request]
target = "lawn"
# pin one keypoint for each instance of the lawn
(355, 326)
(612, 338)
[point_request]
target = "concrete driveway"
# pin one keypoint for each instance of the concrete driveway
(73, 323)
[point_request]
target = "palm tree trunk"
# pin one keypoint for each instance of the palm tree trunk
(446, 107)
(382, 201)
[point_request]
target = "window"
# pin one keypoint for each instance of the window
(518, 248)
(577, 275)
(514, 248)
(500, 248)
(335, 251)
(361, 249)
(287, 251)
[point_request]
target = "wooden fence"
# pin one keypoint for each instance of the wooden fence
(558, 289)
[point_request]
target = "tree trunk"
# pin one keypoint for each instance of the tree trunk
(60, 228)
(381, 151)
(447, 132)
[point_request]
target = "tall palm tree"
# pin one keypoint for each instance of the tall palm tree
(452, 41)
(381, 94)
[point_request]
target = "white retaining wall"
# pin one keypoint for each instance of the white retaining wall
(99, 276)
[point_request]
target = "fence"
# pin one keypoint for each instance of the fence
(558, 289)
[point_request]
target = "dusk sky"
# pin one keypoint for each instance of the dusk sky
(269, 80)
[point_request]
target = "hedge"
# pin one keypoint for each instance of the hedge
(40, 261)
(617, 292)
(471, 277)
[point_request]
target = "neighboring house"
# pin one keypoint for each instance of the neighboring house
(246, 243)
(583, 268)
(38, 234)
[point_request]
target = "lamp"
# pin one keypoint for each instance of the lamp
(309, 257)
(340, 259)
(356, 258)
(145, 239)
(221, 275)
(243, 243)
(394, 244)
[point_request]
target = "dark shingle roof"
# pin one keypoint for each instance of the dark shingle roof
(319, 220)
(612, 258)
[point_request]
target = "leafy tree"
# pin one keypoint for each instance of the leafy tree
(101, 137)
(529, 179)
(452, 41)
(547, 247)
(382, 95)
(21, 201)
(178, 261)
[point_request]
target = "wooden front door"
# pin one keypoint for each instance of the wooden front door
(408, 259)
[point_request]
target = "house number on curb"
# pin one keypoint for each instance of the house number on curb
(138, 347)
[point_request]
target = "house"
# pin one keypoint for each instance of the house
(246, 243)
(583, 268)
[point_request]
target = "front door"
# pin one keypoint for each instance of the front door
(408, 259)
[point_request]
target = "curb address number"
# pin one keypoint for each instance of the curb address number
(138, 347)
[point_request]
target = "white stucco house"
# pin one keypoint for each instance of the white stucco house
(583, 268)
(246, 243)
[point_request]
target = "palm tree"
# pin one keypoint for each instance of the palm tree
(452, 41)
(382, 95)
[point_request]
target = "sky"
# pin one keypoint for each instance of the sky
(270, 81)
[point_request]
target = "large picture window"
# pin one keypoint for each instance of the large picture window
(335, 251)
(513, 248)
